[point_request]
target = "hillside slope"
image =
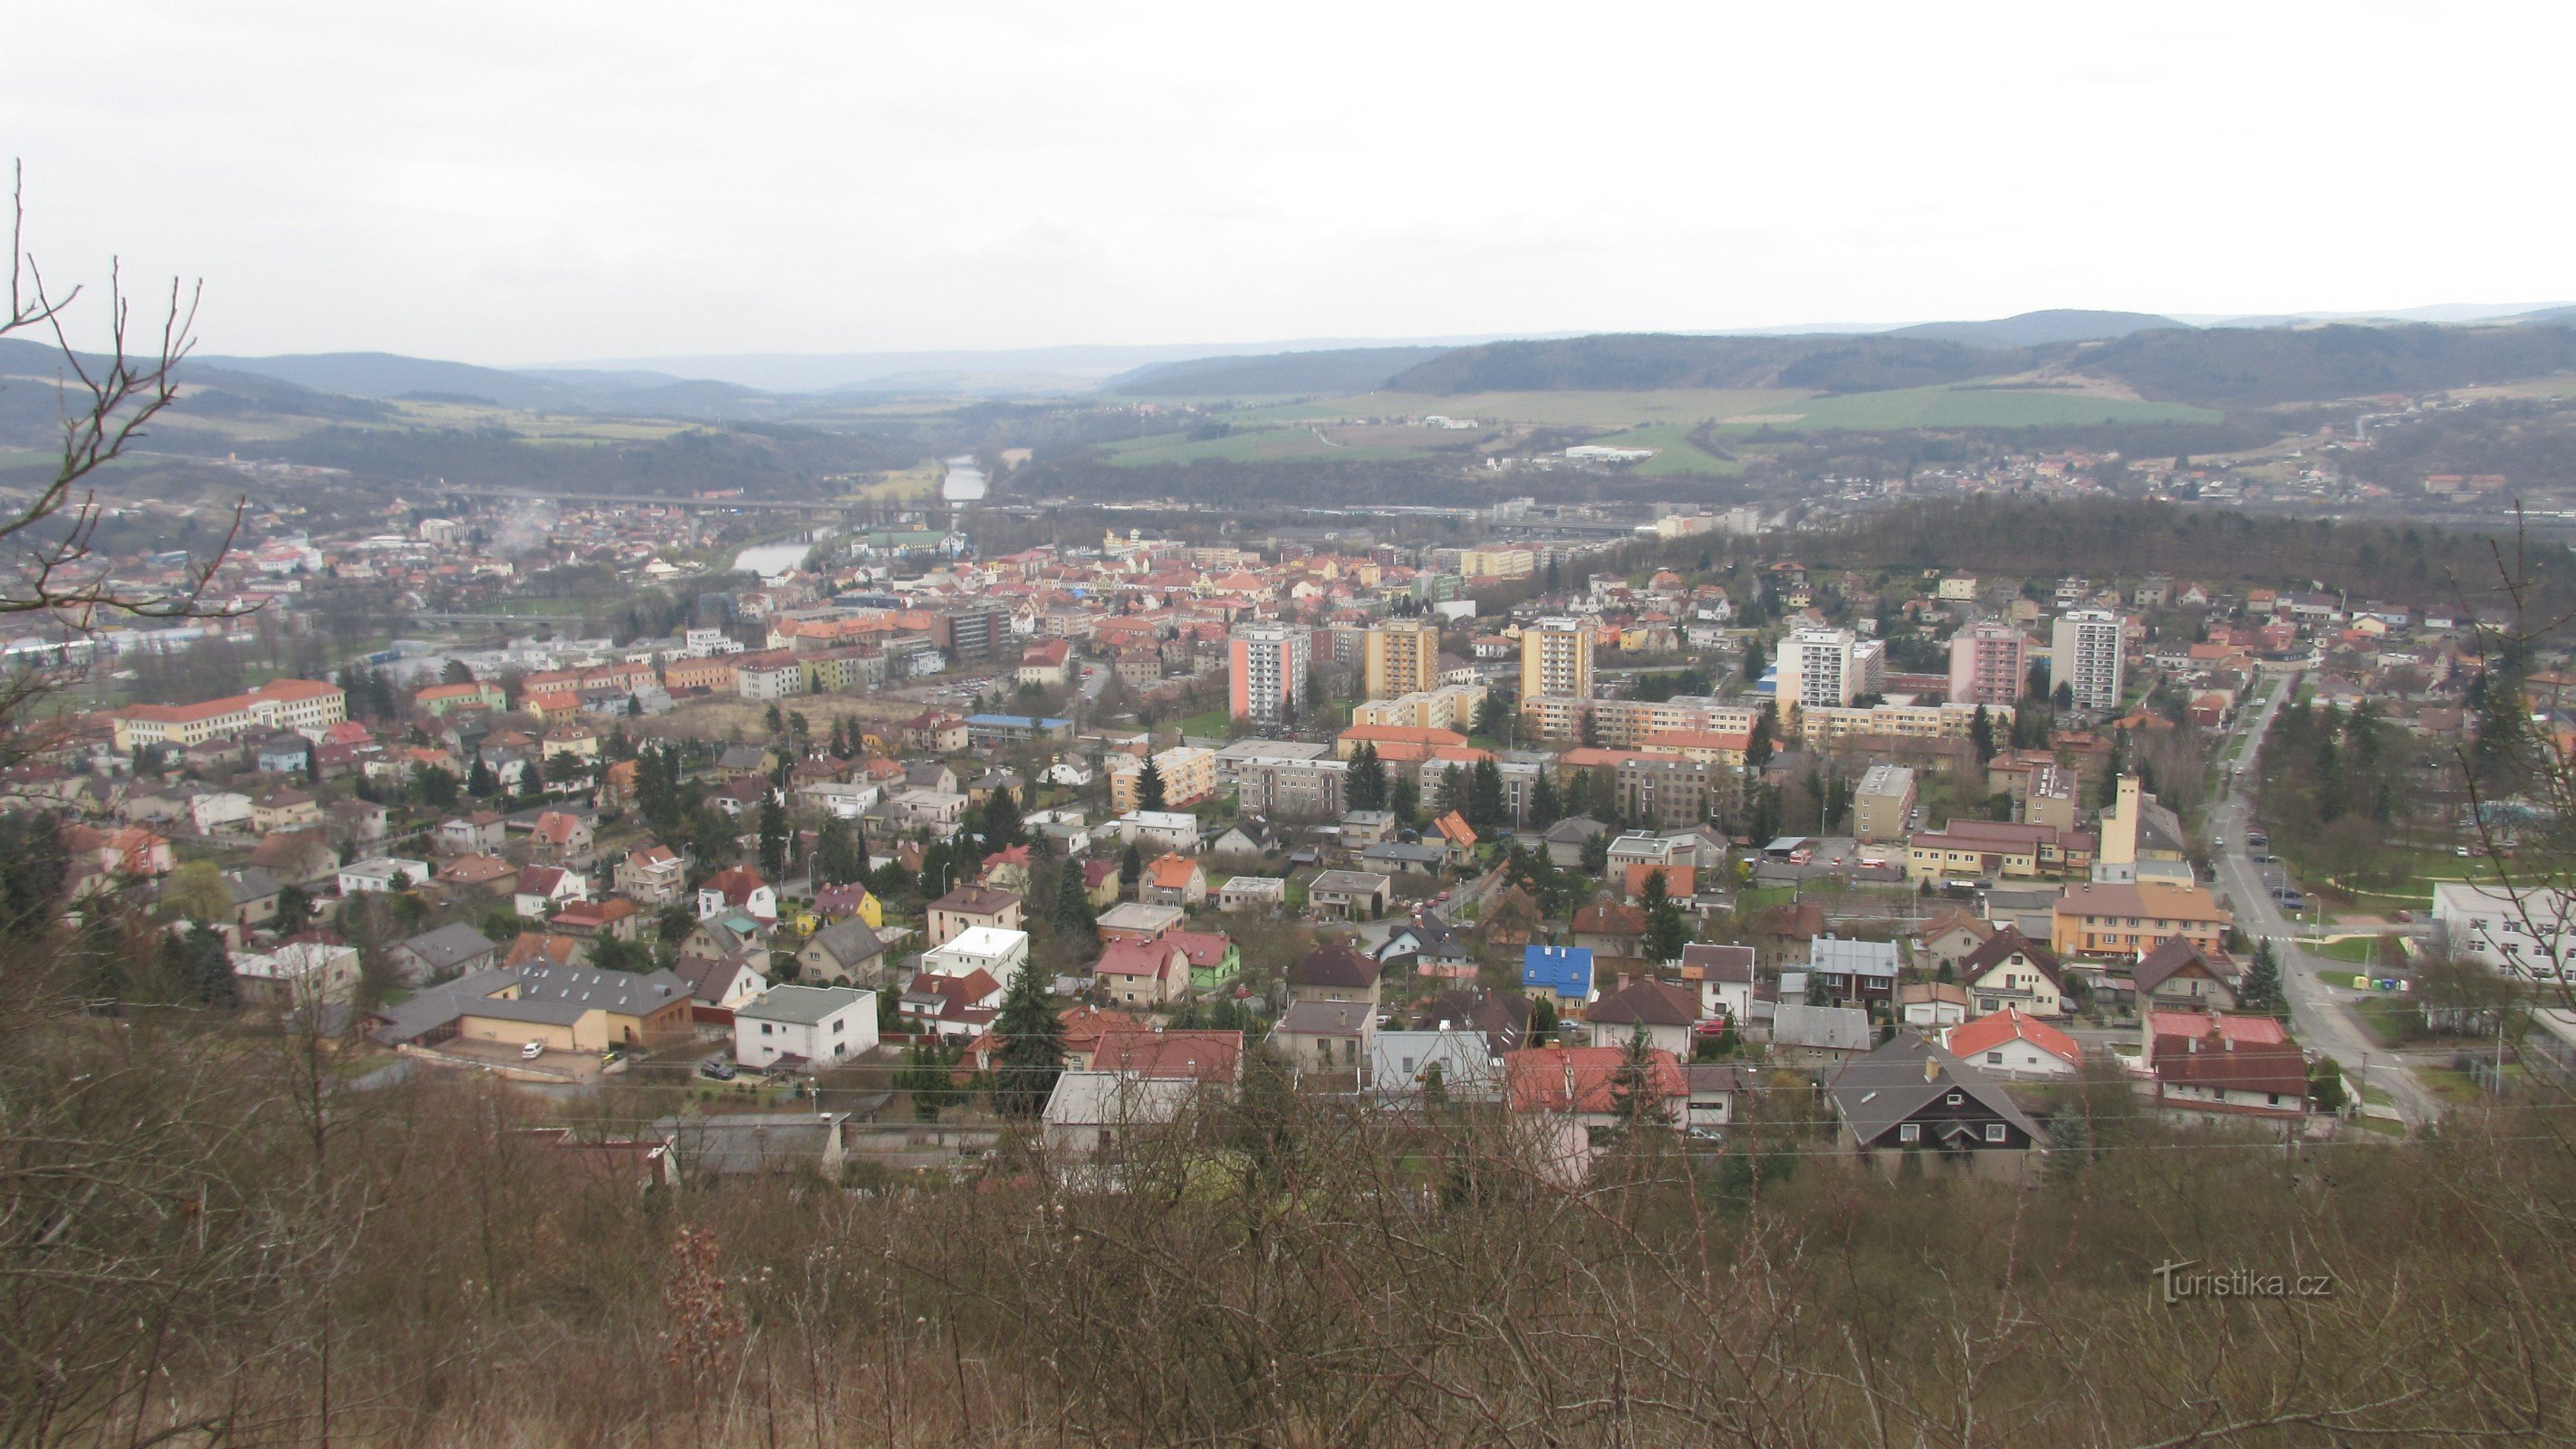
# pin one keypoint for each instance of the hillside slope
(2253, 367)
(1343, 370)
(2039, 329)
(1639, 361)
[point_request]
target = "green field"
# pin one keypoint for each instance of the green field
(1251, 445)
(1690, 406)
(1981, 407)
(1675, 453)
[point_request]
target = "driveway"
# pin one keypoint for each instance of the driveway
(2320, 1015)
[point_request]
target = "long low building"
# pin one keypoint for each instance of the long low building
(568, 1008)
(1996, 850)
(1827, 725)
(2099, 919)
(305, 706)
(2528, 932)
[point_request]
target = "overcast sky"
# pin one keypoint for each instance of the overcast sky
(525, 182)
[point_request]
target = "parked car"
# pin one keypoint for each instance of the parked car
(532, 1051)
(716, 1069)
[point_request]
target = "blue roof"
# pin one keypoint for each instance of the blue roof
(1565, 970)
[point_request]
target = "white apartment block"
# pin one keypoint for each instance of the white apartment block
(1829, 668)
(2084, 654)
(2529, 933)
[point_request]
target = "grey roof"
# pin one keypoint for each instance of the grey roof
(849, 942)
(749, 1142)
(448, 947)
(1357, 881)
(1719, 963)
(800, 1005)
(586, 988)
(1398, 851)
(743, 757)
(1117, 1098)
(1875, 1092)
(1574, 830)
(1826, 1028)
(1840, 957)
(1327, 1018)
(250, 883)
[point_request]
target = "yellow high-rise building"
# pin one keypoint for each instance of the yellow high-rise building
(1556, 658)
(1403, 657)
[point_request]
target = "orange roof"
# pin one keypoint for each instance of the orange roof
(1173, 873)
(1989, 1032)
(1580, 1079)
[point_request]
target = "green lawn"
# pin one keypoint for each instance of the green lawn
(2359, 950)
(1211, 724)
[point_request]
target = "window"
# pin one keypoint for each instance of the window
(1910, 1132)
(1954, 1099)
(1994, 1132)
(1994, 1059)
(764, 1028)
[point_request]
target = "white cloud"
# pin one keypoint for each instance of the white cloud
(516, 182)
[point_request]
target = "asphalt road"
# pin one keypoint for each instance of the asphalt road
(2321, 1016)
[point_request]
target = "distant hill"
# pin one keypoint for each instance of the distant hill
(29, 406)
(389, 375)
(2038, 329)
(1343, 370)
(1639, 361)
(2255, 366)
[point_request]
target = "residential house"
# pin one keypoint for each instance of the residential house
(253, 891)
(1853, 971)
(478, 833)
(1948, 937)
(2213, 1067)
(1818, 1036)
(1258, 893)
(591, 920)
(1725, 976)
(1610, 928)
(1349, 895)
(1912, 1101)
(300, 974)
(1325, 1036)
(738, 888)
(651, 877)
(722, 984)
(1214, 957)
(541, 888)
(1093, 1117)
(1665, 1012)
(1137, 921)
(562, 838)
(1455, 1063)
(1715, 1093)
(2177, 976)
(1001, 955)
(952, 1006)
(969, 906)
(1583, 1086)
(845, 953)
(284, 810)
(796, 1026)
(1172, 880)
(1333, 972)
(383, 873)
(1143, 973)
(2012, 1043)
(470, 876)
(446, 952)
(1564, 972)
(2012, 970)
